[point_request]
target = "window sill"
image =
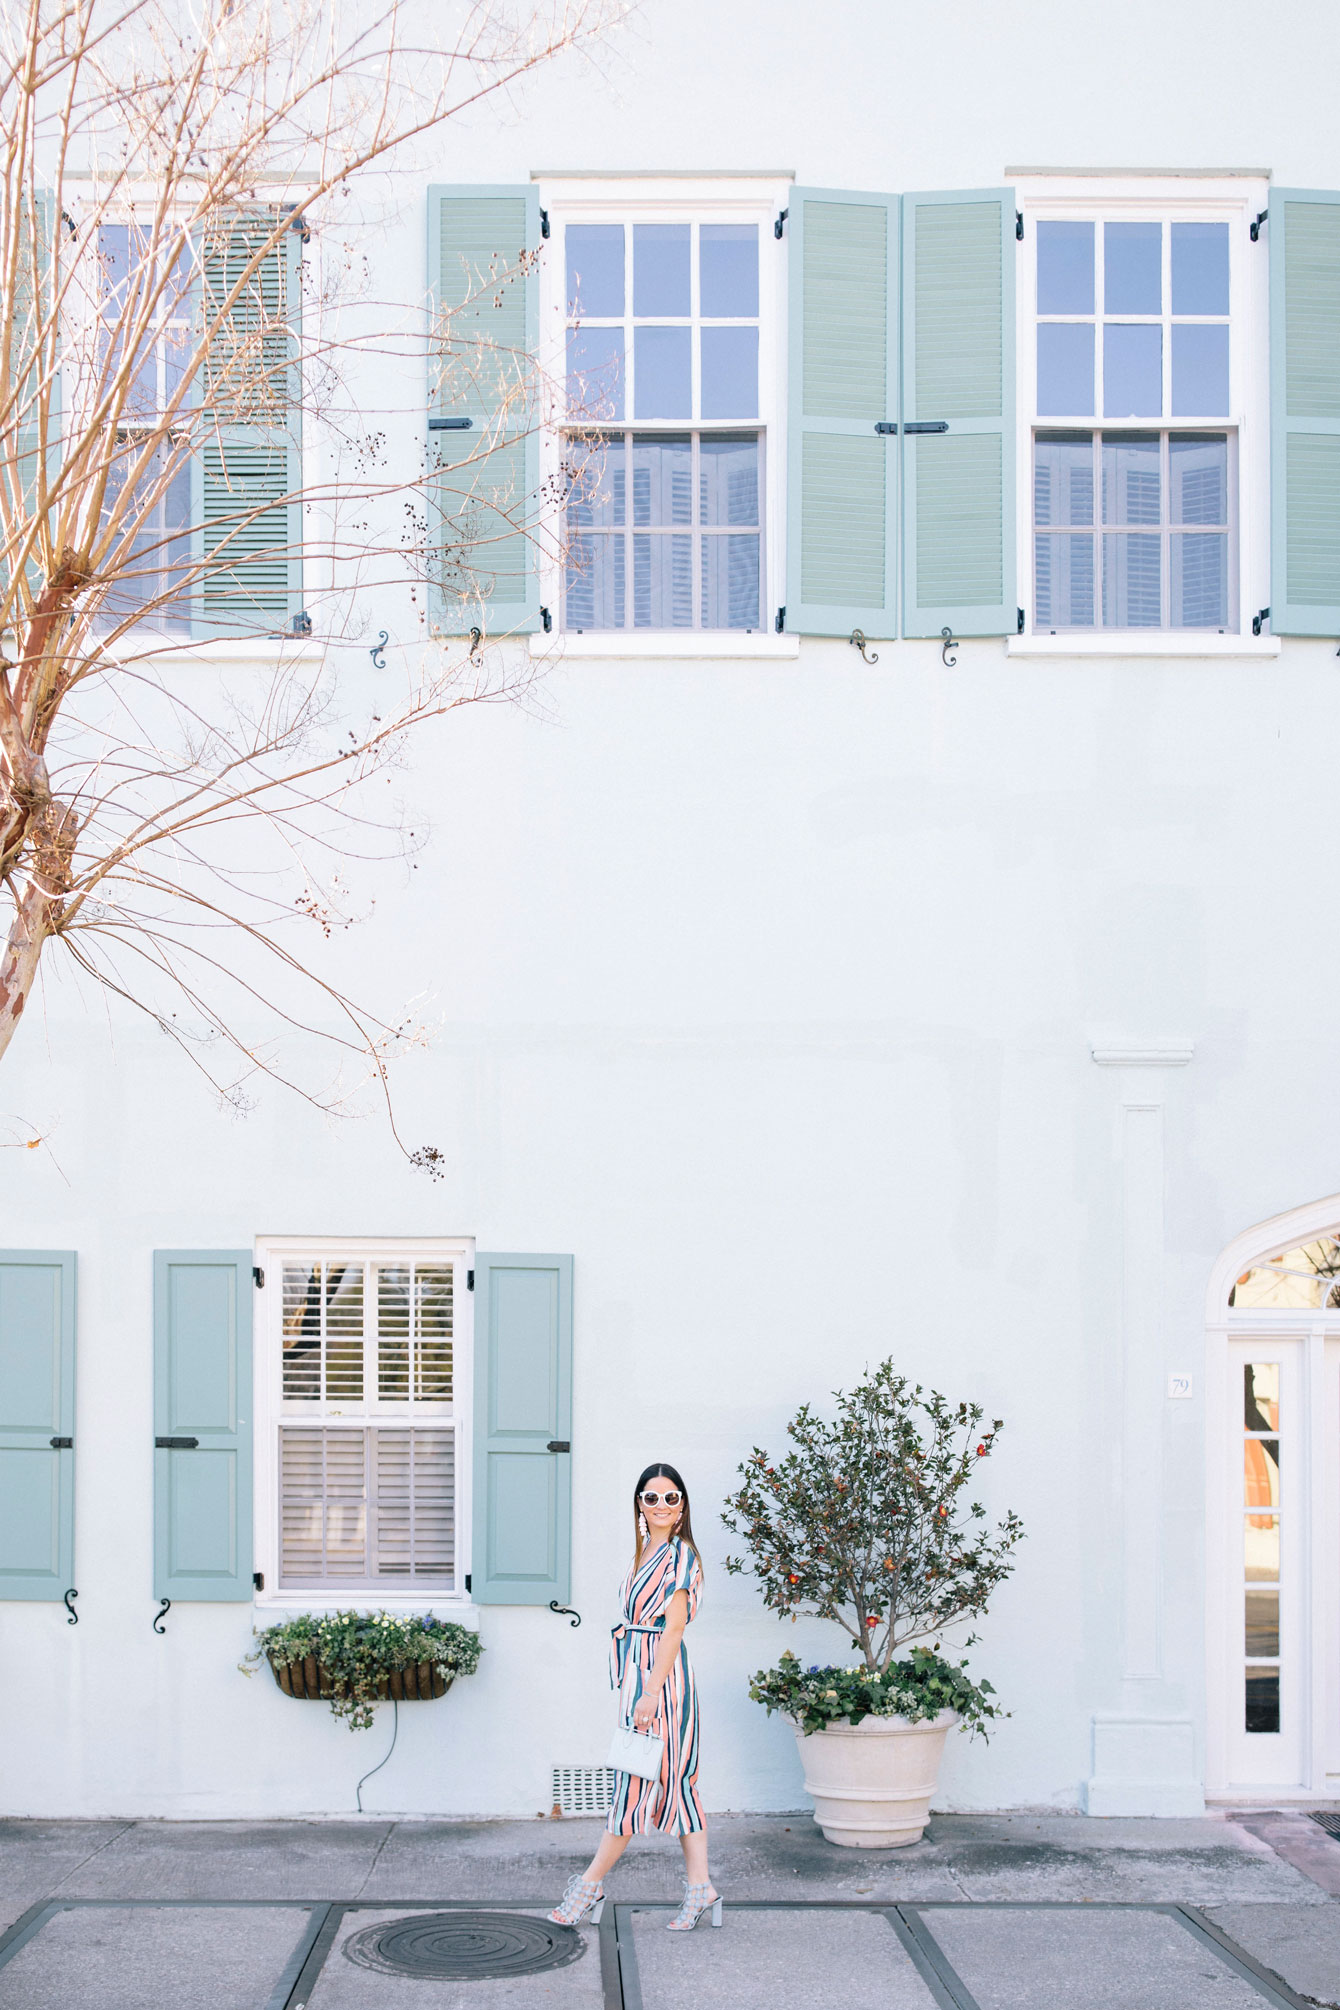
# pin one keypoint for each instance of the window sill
(1131, 643)
(264, 652)
(694, 645)
(269, 1606)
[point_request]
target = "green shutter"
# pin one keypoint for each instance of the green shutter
(36, 1405)
(482, 343)
(247, 474)
(842, 476)
(202, 1390)
(958, 367)
(523, 1403)
(1303, 233)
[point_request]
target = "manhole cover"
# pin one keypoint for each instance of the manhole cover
(1330, 1822)
(465, 1945)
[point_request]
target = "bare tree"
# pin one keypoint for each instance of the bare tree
(164, 339)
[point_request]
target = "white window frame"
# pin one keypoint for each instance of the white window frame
(272, 1252)
(632, 199)
(1231, 199)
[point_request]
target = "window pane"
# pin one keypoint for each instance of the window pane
(594, 582)
(1199, 369)
(1263, 1699)
(596, 472)
(663, 479)
(1261, 1549)
(1261, 1472)
(728, 269)
(662, 582)
(1200, 268)
(728, 479)
(1261, 1396)
(730, 582)
(1132, 580)
(1063, 572)
(595, 269)
(1133, 268)
(1262, 1627)
(1198, 470)
(1296, 1278)
(730, 373)
(393, 1333)
(1063, 478)
(1199, 580)
(1131, 478)
(661, 268)
(1065, 270)
(664, 387)
(595, 373)
(1132, 371)
(149, 572)
(1065, 369)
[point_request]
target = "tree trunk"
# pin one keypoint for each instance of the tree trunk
(18, 961)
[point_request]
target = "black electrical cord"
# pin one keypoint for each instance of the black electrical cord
(395, 1732)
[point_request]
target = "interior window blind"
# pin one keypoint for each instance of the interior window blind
(369, 1506)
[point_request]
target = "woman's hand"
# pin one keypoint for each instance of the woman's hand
(644, 1711)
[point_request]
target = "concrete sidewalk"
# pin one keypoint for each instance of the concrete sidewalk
(813, 1924)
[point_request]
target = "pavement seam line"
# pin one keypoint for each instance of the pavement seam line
(124, 1829)
(391, 1828)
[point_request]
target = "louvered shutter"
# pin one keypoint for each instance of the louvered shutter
(202, 1393)
(37, 1313)
(247, 474)
(958, 370)
(523, 1408)
(1304, 237)
(483, 288)
(368, 1506)
(842, 476)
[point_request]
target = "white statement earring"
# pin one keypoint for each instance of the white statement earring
(642, 1525)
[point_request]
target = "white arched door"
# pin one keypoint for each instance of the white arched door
(1274, 1511)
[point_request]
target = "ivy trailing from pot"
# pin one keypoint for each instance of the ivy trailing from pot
(355, 1660)
(868, 1520)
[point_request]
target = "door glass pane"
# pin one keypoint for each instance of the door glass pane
(1132, 478)
(663, 373)
(1065, 369)
(1261, 1549)
(1261, 1471)
(1063, 577)
(1261, 1396)
(1133, 268)
(662, 581)
(661, 268)
(1262, 1624)
(662, 479)
(1063, 478)
(595, 269)
(730, 582)
(1199, 369)
(1199, 580)
(729, 373)
(1263, 1699)
(1132, 580)
(1132, 370)
(1065, 271)
(728, 270)
(1200, 268)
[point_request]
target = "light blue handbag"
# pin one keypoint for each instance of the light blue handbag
(632, 1752)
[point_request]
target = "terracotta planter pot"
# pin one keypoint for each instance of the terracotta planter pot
(872, 1782)
(309, 1682)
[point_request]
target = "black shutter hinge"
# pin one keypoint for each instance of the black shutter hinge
(297, 221)
(62, 1444)
(301, 623)
(886, 425)
(1255, 230)
(546, 620)
(176, 1444)
(258, 1580)
(258, 1277)
(1019, 625)
(544, 223)
(1257, 619)
(1019, 225)
(559, 1445)
(450, 425)
(777, 227)
(913, 426)
(779, 625)
(469, 1280)
(467, 1580)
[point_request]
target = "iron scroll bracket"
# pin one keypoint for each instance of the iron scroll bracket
(857, 641)
(73, 1619)
(161, 1615)
(476, 637)
(1254, 232)
(947, 643)
(565, 1612)
(1262, 616)
(378, 659)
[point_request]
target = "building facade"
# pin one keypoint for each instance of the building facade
(853, 944)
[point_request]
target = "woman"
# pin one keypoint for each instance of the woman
(649, 1666)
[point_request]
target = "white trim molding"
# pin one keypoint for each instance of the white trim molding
(1174, 1054)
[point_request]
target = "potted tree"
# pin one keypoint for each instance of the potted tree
(868, 1521)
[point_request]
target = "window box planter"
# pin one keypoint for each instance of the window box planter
(310, 1682)
(355, 1660)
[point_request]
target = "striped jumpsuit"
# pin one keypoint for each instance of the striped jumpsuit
(669, 1804)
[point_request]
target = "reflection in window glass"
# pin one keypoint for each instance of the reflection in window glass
(1261, 1545)
(1296, 1280)
(1065, 269)
(663, 373)
(595, 270)
(1199, 368)
(1132, 370)
(730, 373)
(728, 271)
(661, 269)
(595, 373)
(1261, 1548)
(1200, 269)
(1065, 369)
(1133, 268)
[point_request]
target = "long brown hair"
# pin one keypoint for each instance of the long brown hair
(683, 1527)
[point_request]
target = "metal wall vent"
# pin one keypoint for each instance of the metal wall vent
(583, 1790)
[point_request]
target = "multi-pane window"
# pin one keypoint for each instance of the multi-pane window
(665, 494)
(368, 1431)
(1134, 518)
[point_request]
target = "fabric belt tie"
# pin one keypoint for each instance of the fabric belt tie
(620, 1641)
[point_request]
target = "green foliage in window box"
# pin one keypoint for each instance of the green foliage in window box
(918, 1688)
(868, 1520)
(357, 1659)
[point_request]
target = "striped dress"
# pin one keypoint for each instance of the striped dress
(669, 1804)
